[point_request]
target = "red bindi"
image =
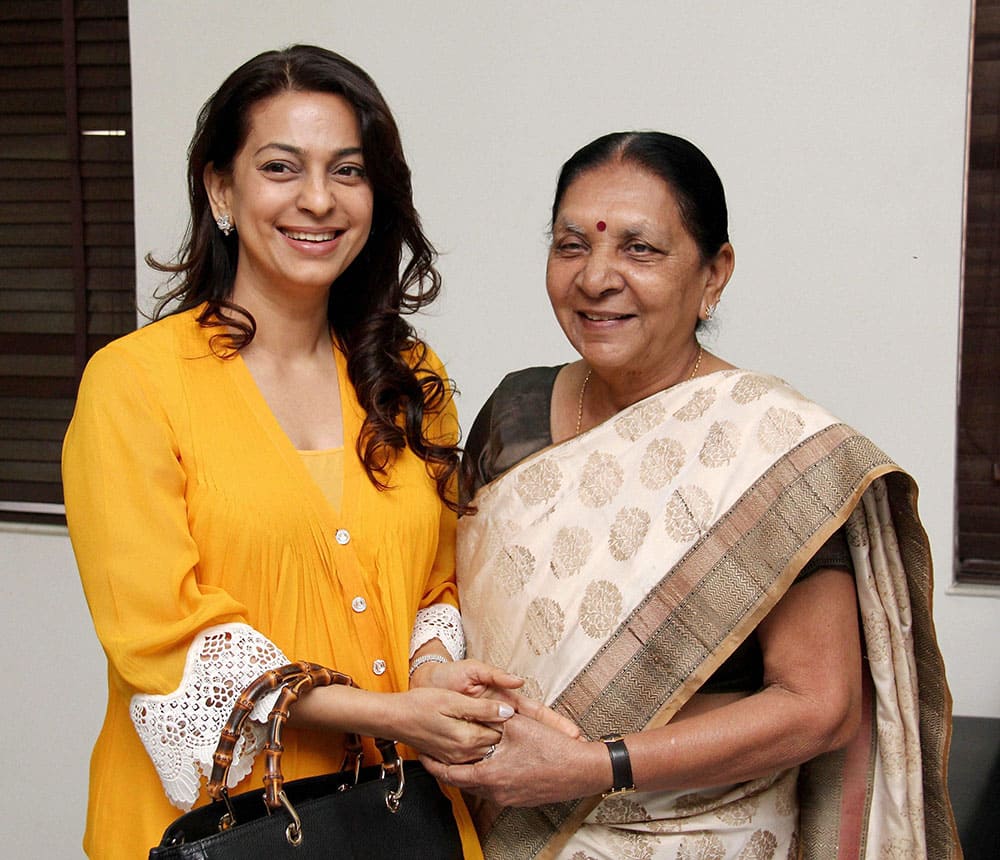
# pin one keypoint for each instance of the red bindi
(601, 226)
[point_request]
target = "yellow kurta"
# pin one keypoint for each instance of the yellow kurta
(189, 507)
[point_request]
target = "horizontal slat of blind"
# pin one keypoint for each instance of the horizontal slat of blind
(37, 386)
(28, 323)
(121, 256)
(38, 282)
(42, 279)
(32, 212)
(21, 257)
(32, 42)
(36, 365)
(51, 431)
(21, 301)
(39, 473)
(982, 552)
(35, 451)
(33, 101)
(51, 408)
(980, 493)
(32, 78)
(35, 235)
(982, 519)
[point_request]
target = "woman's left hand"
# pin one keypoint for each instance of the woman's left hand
(533, 764)
(470, 677)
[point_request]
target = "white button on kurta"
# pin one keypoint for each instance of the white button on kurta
(343, 536)
(378, 667)
(359, 604)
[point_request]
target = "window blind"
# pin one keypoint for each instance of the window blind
(67, 246)
(978, 462)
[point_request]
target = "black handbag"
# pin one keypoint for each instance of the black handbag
(395, 809)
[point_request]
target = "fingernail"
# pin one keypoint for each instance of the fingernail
(506, 711)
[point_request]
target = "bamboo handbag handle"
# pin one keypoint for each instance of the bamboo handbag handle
(294, 679)
(292, 676)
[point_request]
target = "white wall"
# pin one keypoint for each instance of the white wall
(54, 694)
(839, 134)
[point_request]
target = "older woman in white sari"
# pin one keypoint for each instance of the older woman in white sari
(675, 554)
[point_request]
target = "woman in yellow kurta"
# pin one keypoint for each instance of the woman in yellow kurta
(264, 475)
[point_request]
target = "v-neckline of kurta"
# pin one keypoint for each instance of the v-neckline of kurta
(351, 421)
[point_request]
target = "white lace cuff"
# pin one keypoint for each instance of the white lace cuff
(180, 730)
(439, 621)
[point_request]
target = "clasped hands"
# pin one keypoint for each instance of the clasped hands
(520, 745)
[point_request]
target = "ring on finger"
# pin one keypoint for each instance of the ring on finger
(489, 752)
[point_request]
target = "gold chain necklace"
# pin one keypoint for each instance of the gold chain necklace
(586, 379)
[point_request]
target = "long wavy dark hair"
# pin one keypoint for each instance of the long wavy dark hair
(385, 359)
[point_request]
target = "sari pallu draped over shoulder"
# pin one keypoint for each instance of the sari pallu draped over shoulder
(618, 570)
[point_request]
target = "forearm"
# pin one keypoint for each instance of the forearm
(810, 704)
(350, 709)
(441, 723)
(740, 740)
(749, 738)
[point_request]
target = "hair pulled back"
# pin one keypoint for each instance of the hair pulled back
(678, 162)
(385, 359)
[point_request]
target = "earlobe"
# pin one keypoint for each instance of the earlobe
(217, 188)
(720, 271)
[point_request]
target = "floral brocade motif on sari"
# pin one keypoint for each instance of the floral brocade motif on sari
(616, 571)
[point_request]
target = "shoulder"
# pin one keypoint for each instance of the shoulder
(520, 394)
(782, 418)
(513, 424)
(146, 358)
(153, 343)
(751, 388)
(419, 355)
(530, 381)
(529, 390)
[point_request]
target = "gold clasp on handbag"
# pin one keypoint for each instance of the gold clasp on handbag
(228, 818)
(392, 798)
(293, 833)
(352, 761)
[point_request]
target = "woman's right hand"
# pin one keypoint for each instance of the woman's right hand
(449, 726)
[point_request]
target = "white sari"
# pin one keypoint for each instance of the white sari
(617, 571)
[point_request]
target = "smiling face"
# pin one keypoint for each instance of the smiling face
(297, 194)
(625, 278)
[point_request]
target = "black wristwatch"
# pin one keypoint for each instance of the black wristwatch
(621, 765)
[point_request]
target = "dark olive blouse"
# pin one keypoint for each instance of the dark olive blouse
(515, 423)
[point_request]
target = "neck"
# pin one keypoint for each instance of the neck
(286, 327)
(605, 394)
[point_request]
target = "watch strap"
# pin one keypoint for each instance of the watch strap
(621, 765)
